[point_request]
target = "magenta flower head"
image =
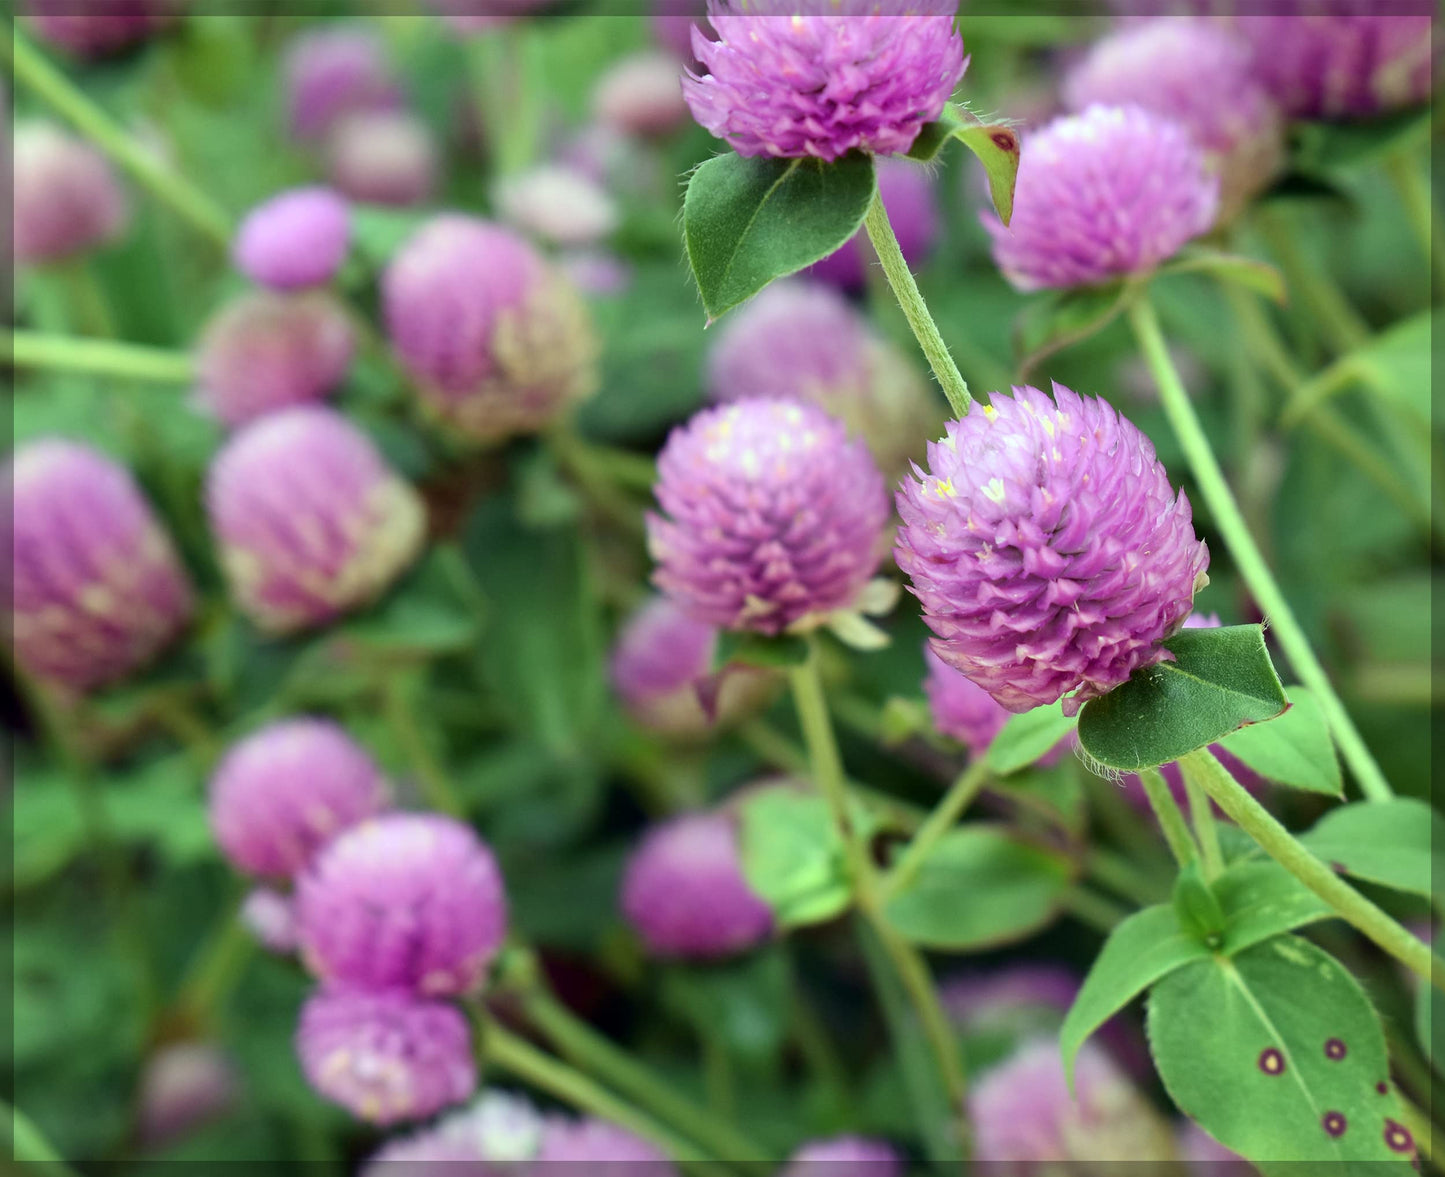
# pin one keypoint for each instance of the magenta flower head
(407, 901)
(1103, 194)
(963, 711)
(385, 1056)
(641, 95)
(494, 1135)
(803, 341)
(822, 78)
(67, 199)
(383, 157)
(96, 589)
(561, 204)
(662, 657)
(1048, 549)
(294, 240)
(1199, 74)
(183, 1086)
(265, 351)
(773, 516)
(845, 1156)
(496, 342)
(332, 72)
(284, 791)
(598, 1148)
(1021, 1111)
(908, 195)
(310, 521)
(100, 29)
(685, 894)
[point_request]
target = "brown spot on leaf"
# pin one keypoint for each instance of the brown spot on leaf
(1334, 1049)
(1271, 1061)
(1398, 1138)
(1334, 1123)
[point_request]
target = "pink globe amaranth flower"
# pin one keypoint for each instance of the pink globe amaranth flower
(661, 657)
(182, 1086)
(270, 917)
(773, 516)
(333, 72)
(295, 240)
(822, 78)
(907, 191)
(557, 203)
(1103, 194)
(96, 588)
(641, 95)
(1013, 997)
(385, 1056)
(672, 23)
(266, 351)
(803, 341)
(1048, 549)
(383, 157)
(1021, 1112)
(964, 711)
(407, 901)
(684, 892)
(599, 1148)
(100, 28)
(309, 520)
(1200, 75)
(496, 342)
(845, 1156)
(68, 200)
(493, 1136)
(286, 790)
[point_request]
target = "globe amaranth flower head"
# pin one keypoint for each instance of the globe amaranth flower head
(331, 72)
(804, 341)
(184, 1085)
(284, 791)
(96, 587)
(600, 1148)
(663, 656)
(497, 343)
(270, 916)
(1104, 194)
(496, 1132)
(68, 200)
(1048, 549)
(385, 157)
(641, 95)
(773, 516)
(964, 711)
(385, 1056)
(104, 29)
(684, 892)
(840, 1156)
(1199, 74)
(266, 351)
(309, 520)
(558, 203)
(294, 240)
(821, 78)
(907, 191)
(406, 901)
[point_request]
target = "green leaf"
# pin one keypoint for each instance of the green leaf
(979, 888)
(1145, 947)
(792, 855)
(1248, 272)
(1261, 899)
(1054, 321)
(755, 649)
(748, 221)
(1342, 146)
(1220, 680)
(1278, 1054)
(1197, 907)
(1024, 738)
(1293, 749)
(996, 146)
(1390, 842)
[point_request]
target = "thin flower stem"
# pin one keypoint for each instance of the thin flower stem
(915, 310)
(1171, 821)
(35, 71)
(1414, 193)
(945, 815)
(1247, 557)
(1201, 814)
(1314, 285)
(100, 357)
(215, 970)
(1285, 849)
(435, 784)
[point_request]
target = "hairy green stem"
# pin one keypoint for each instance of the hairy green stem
(915, 310)
(1247, 557)
(100, 357)
(1201, 814)
(945, 815)
(1290, 853)
(1171, 821)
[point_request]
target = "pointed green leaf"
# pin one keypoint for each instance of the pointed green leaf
(996, 145)
(1219, 680)
(1197, 907)
(1248, 272)
(1052, 322)
(1261, 899)
(792, 855)
(1279, 1056)
(1390, 842)
(1293, 749)
(1024, 738)
(748, 221)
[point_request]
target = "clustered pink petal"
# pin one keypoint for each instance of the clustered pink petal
(385, 1056)
(1199, 74)
(824, 77)
(772, 515)
(270, 917)
(385, 157)
(1112, 191)
(908, 195)
(67, 200)
(961, 709)
(96, 587)
(641, 95)
(266, 351)
(408, 901)
(685, 894)
(284, 791)
(332, 72)
(309, 520)
(1048, 549)
(599, 1148)
(495, 341)
(498, 1131)
(839, 1156)
(295, 240)
(184, 1085)
(100, 29)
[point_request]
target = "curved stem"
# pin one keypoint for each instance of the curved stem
(1211, 857)
(1314, 284)
(100, 357)
(1171, 821)
(915, 310)
(1247, 557)
(945, 815)
(1290, 853)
